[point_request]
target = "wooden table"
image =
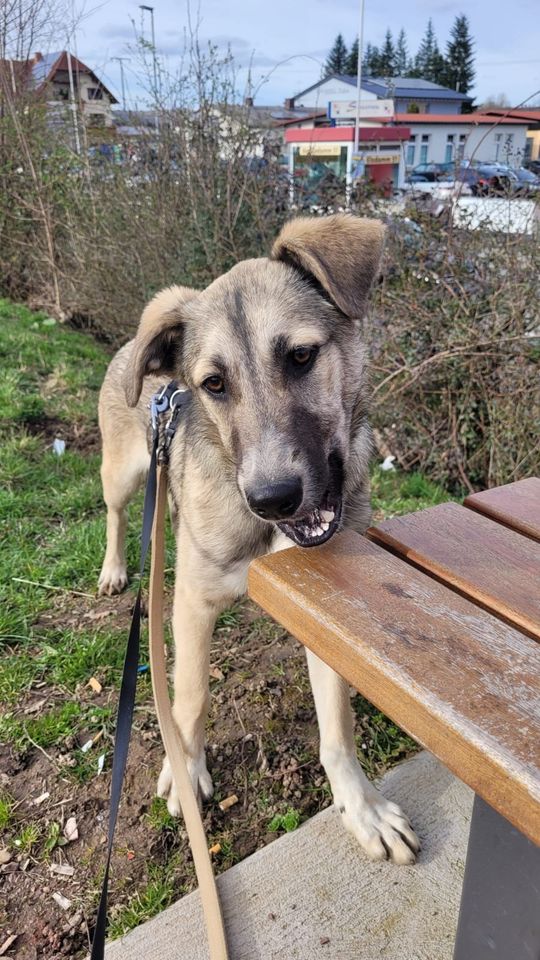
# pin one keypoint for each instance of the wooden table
(435, 618)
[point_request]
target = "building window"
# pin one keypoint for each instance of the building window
(449, 155)
(498, 141)
(95, 93)
(411, 151)
(461, 145)
(96, 120)
(424, 148)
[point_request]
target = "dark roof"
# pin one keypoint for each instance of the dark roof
(410, 87)
(396, 86)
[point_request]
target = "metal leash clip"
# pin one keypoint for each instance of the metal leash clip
(171, 398)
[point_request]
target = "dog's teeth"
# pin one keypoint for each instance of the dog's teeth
(317, 531)
(325, 526)
(327, 515)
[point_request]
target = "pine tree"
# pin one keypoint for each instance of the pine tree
(351, 65)
(387, 65)
(435, 66)
(337, 58)
(426, 50)
(460, 71)
(402, 55)
(371, 61)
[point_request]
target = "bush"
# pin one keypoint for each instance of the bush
(453, 334)
(455, 345)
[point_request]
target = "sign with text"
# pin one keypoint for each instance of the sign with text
(375, 109)
(320, 150)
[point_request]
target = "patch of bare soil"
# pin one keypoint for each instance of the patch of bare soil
(262, 746)
(83, 437)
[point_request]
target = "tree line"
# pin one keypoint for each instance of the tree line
(453, 69)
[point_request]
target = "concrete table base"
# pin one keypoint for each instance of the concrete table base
(313, 894)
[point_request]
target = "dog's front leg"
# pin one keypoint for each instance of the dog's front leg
(194, 617)
(379, 825)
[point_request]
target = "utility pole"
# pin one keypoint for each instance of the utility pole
(359, 77)
(122, 80)
(73, 105)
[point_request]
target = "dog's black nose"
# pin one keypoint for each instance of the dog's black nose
(275, 501)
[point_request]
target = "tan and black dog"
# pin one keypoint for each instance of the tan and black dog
(272, 450)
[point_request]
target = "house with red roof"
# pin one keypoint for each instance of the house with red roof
(61, 79)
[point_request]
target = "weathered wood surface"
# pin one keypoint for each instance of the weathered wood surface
(463, 684)
(494, 566)
(516, 505)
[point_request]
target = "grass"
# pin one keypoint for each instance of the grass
(157, 894)
(7, 804)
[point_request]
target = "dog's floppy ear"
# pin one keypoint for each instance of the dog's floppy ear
(342, 252)
(158, 343)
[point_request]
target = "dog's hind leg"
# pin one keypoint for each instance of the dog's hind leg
(379, 825)
(123, 469)
(194, 617)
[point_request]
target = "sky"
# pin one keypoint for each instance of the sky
(287, 41)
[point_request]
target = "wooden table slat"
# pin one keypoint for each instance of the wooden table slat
(489, 563)
(516, 505)
(462, 683)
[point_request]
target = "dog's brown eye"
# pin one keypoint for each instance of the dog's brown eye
(302, 358)
(302, 355)
(215, 384)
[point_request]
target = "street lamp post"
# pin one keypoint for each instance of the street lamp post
(150, 10)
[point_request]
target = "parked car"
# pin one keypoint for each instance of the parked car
(533, 166)
(529, 181)
(489, 179)
(429, 171)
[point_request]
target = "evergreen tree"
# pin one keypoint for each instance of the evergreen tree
(387, 65)
(402, 55)
(351, 65)
(460, 73)
(371, 61)
(435, 68)
(337, 58)
(424, 58)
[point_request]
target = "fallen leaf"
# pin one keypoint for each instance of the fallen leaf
(228, 802)
(5, 855)
(61, 901)
(130, 855)
(62, 869)
(35, 706)
(71, 831)
(216, 673)
(95, 684)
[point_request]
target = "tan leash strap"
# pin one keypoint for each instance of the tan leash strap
(170, 735)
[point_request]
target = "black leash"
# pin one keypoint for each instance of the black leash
(172, 399)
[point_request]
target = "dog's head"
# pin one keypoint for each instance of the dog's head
(273, 354)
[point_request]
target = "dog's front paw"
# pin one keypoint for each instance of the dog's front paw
(112, 579)
(381, 828)
(200, 779)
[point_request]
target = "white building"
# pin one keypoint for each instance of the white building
(409, 94)
(469, 136)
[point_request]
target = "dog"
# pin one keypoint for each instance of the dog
(273, 450)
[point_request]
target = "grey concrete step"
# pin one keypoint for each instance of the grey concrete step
(313, 895)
